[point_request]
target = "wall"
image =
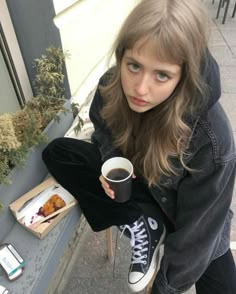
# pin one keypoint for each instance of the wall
(84, 28)
(35, 30)
(88, 28)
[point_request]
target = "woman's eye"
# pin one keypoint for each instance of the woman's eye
(162, 77)
(133, 67)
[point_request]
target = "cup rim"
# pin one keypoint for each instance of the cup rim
(118, 181)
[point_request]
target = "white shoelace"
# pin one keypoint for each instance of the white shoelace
(137, 242)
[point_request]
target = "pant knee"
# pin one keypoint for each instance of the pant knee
(52, 148)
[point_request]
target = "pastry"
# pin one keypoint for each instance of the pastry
(54, 203)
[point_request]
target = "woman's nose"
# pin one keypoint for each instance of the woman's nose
(142, 86)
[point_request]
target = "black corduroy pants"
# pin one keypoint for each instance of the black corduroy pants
(76, 165)
(220, 276)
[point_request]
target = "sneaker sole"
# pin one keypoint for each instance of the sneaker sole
(141, 284)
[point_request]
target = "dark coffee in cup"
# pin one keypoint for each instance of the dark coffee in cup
(118, 171)
(117, 174)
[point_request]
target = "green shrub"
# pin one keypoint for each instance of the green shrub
(22, 130)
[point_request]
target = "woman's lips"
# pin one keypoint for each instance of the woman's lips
(138, 102)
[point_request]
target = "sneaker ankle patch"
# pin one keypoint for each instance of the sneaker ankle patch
(152, 223)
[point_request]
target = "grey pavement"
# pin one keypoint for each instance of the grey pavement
(89, 271)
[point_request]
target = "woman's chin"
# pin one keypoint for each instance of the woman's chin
(137, 108)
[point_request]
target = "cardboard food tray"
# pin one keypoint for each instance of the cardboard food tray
(26, 208)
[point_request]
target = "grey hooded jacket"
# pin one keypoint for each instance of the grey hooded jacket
(197, 203)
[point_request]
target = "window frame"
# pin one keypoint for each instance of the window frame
(13, 58)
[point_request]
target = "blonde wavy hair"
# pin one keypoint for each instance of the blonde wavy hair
(154, 139)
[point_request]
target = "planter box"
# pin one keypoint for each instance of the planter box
(31, 174)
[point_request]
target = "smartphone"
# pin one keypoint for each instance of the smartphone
(16, 274)
(11, 261)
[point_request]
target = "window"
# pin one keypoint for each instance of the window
(11, 95)
(15, 88)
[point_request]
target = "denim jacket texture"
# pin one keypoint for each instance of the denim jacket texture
(198, 202)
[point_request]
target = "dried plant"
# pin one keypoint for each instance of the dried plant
(19, 132)
(8, 138)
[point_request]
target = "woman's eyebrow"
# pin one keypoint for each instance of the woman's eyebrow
(131, 59)
(166, 71)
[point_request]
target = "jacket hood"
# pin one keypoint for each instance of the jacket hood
(211, 76)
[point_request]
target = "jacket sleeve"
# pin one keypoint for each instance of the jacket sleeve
(203, 208)
(101, 136)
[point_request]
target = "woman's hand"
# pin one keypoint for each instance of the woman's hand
(106, 186)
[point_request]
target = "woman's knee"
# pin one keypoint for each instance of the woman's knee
(53, 149)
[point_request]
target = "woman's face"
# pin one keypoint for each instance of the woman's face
(146, 80)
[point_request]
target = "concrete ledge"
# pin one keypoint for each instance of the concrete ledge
(60, 276)
(42, 256)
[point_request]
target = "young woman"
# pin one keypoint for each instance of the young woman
(158, 107)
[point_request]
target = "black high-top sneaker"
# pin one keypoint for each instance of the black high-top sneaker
(147, 235)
